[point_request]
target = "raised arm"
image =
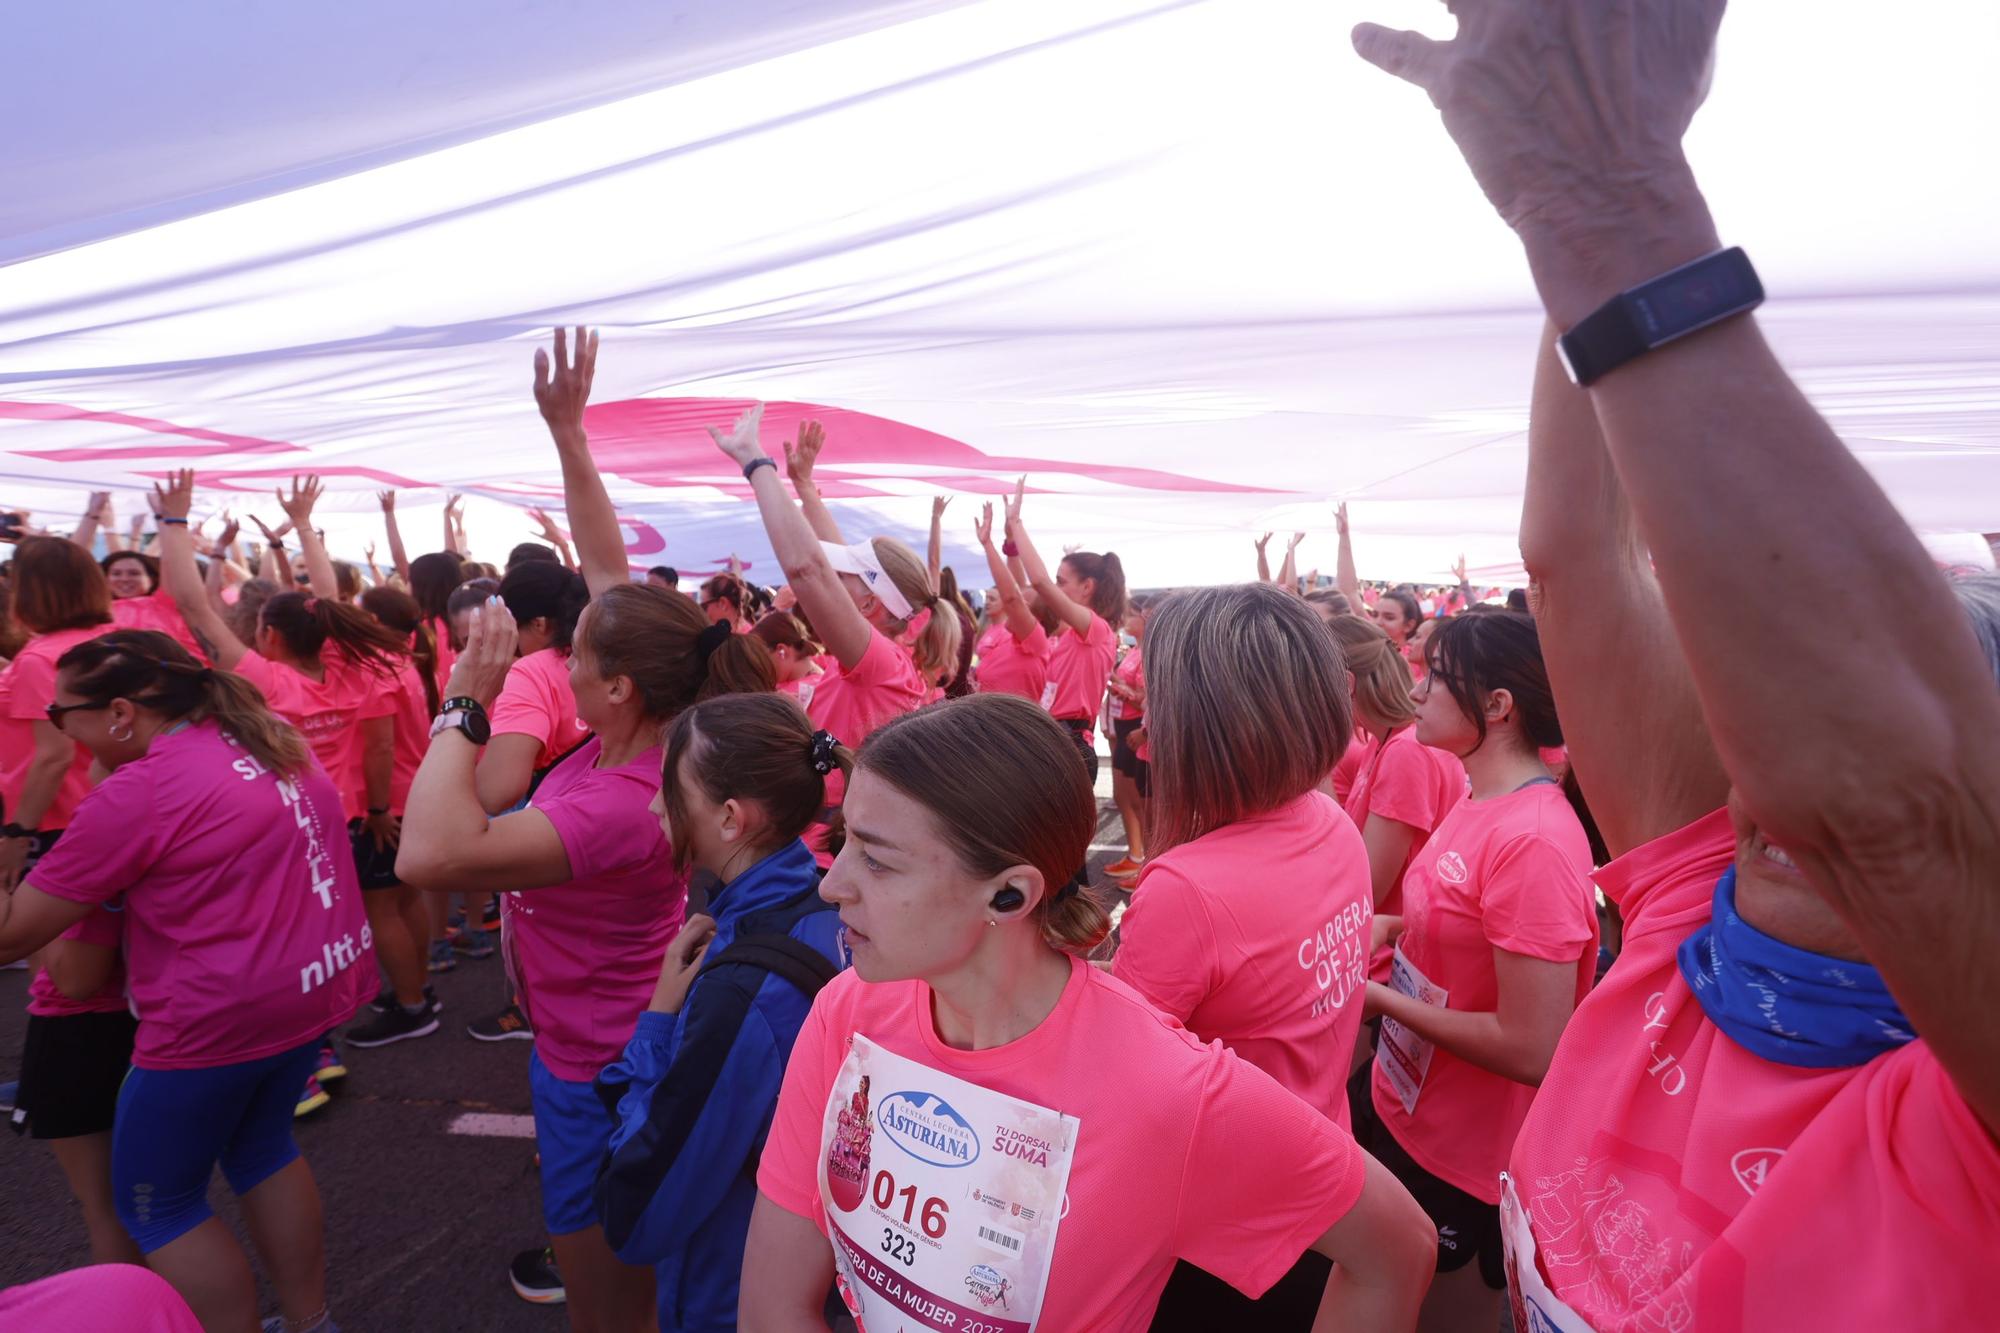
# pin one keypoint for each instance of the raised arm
(274, 565)
(838, 622)
(298, 507)
(800, 455)
(1344, 577)
(183, 577)
(1860, 744)
(397, 555)
(1020, 620)
(562, 396)
(1072, 613)
(1263, 545)
(1288, 573)
(451, 523)
(936, 561)
(555, 537)
(1630, 716)
(93, 518)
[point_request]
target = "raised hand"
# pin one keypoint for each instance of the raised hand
(800, 456)
(388, 501)
(1293, 544)
(1458, 569)
(175, 497)
(1340, 518)
(491, 642)
(938, 505)
(556, 536)
(453, 502)
(1014, 503)
(298, 505)
(563, 395)
(99, 508)
(272, 536)
(741, 443)
(1262, 542)
(368, 552)
(1569, 112)
(227, 537)
(983, 525)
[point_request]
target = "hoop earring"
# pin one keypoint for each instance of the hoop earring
(116, 737)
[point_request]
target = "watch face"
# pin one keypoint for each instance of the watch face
(1695, 295)
(478, 729)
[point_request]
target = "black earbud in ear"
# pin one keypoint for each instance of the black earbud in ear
(1008, 899)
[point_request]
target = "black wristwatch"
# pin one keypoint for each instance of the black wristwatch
(470, 720)
(13, 830)
(1678, 302)
(751, 467)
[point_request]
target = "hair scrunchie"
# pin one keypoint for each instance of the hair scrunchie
(1077, 884)
(824, 759)
(712, 638)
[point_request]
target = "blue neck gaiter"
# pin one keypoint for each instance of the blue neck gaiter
(1783, 1004)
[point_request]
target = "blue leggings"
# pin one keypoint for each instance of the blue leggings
(174, 1125)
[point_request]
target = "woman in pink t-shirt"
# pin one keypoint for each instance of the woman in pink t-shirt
(534, 718)
(1131, 767)
(859, 598)
(244, 941)
(1251, 922)
(138, 600)
(1396, 611)
(1777, 1110)
(1086, 597)
(793, 653)
(1110, 1141)
(1014, 654)
(1404, 788)
(1498, 944)
(591, 892)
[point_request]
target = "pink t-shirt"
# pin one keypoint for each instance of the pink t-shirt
(27, 688)
(328, 712)
(1079, 664)
(244, 934)
(447, 656)
(100, 1298)
(1510, 872)
(157, 611)
(413, 733)
(1184, 1151)
(1674, 1180)
(1014, 666)
(1131, 673)
(537, 701)
(104, 926)
(1256, 935)
(851, 705)
(1352, 761)
(587, 952)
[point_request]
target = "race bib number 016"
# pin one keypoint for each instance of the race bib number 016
(942, 1198)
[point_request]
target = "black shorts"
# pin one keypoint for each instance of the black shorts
(1126, 760)
(1080, 732)
(1468, 1227)
(71, 1069)
(1196, 1301)
(376, 868)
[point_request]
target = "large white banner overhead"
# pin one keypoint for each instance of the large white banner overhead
(1192, 268)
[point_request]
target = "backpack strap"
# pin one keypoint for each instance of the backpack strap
(794, 960)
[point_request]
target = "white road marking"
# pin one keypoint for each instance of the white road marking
(485, 1124)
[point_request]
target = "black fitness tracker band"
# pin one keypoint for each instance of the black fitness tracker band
(1678, 302)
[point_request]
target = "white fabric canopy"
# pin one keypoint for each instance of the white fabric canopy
(1193, 268)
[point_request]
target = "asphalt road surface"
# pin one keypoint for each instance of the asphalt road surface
(421, 1220)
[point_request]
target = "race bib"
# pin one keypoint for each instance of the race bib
(942, 1198)
(1536, 1308)
(1403, 1057)
(1049, 696)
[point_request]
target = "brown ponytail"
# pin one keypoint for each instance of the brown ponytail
(740, 664)
(1006, 787)
(158, 674)
(937, 646)
(399, 611)
(307, 624)
(758, 748)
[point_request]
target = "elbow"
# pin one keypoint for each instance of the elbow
(421, 867)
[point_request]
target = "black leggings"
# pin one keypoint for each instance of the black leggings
(1079, 731)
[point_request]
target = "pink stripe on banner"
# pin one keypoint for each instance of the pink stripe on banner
(237, 444)
(229, 481)
(913, 1302)
(665, 442)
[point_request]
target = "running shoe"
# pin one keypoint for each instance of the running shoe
(535, 1278)
(472, 945)
(510, 1024)
(393, 1024)
(442, 959)
(386, 1000)
(311, 1099)
(329, 1067)
(1126, 868)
